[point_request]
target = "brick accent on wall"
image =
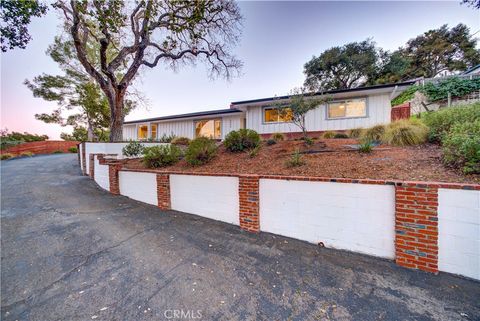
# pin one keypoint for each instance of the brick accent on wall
(113, 169)
(416, 226)
(163, 191)
(248, 190)
(92, 164)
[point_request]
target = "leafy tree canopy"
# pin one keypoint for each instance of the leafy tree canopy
(81, 102)
(128, 36)
(16, 16)
(347, 66)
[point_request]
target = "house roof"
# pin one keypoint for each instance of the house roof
(234, 110)
(329, 92)
(189, 115)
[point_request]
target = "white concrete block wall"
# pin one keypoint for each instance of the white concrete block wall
(139, 186)
(107, 148)
(459, 232)
(101, 174)
(214, 197)
(355, 217)
(80, 147)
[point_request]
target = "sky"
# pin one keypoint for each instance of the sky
(277, 39)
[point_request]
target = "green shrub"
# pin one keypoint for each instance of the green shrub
(308, 141)
(277, 137)
(365, 148)
(295, 160)
(6, 156)
(454, 86)
(328, 134)
(271, 141)
(166, 138)
(406, 95)
(73, 150)
(161, 155)
(58, 151)
(242, 139)
(183, 141)
(442, 120)
(133, 149)
(373, 134)
(461, 147)
(355, 132)
(200, 151)
(26, 154)
(340, 135)
(405, 132)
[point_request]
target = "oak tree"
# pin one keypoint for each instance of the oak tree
(146, 33)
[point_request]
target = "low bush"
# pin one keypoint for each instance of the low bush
(405, 132)
(340, 135)
(365, 148)
(161, 155)
(308, 141)
(277, 137)
(200, 151)
(73, 150)
(6, 156)
(270, 141)
(133, 149)
(373, 134)
(166, 138)
(442, 120)
(328, 134)
(254, 151)
(183, 141)
(242, 139)
(355, 132)
(26, 154)
(295, 160)
(58, 151)
(461, 147)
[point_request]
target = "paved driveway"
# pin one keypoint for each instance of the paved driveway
(71, 251)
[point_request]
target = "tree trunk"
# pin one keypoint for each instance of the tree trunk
(116, 118)
(89, 132)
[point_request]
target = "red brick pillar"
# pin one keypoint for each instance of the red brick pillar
(163, 191)
(92, 164)
(84, 161)
(113, 169)
(416, 226)
(248, 190)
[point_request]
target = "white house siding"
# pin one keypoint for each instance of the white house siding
(355, 217)
(214, 197)
(378, 112)
(459, 232)
(180, 128)
(139, 186)
(186, 127)
(101, 175)
(129, 132)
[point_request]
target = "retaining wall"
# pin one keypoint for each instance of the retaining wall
(421, 225)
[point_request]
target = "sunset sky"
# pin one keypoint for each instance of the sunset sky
(278, 38)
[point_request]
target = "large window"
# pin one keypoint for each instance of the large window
(347, 108)
(276, 115)
(142, 132)
(211, 128)
(154, 131)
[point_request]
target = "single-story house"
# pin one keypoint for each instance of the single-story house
(345, 109)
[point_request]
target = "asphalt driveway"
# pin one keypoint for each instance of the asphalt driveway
(70, 251)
